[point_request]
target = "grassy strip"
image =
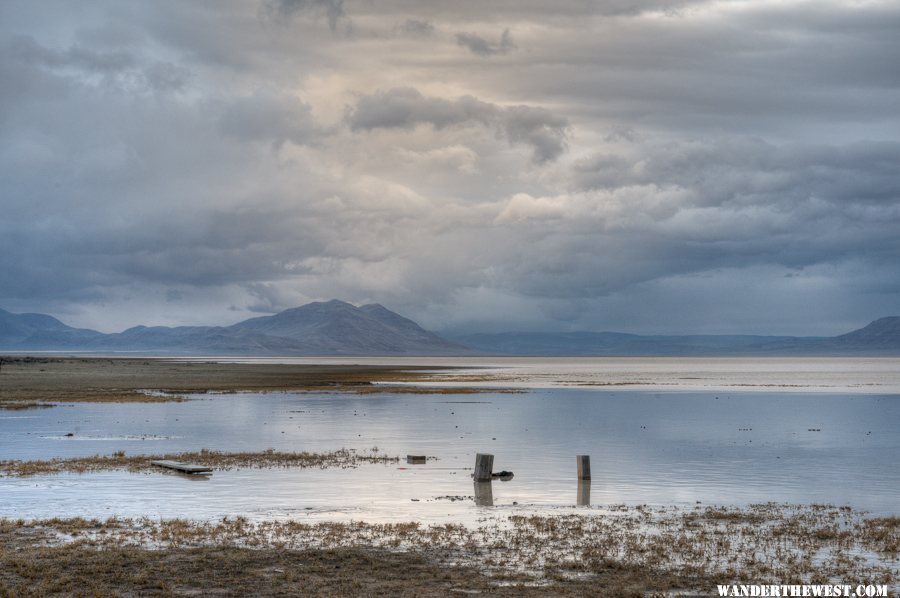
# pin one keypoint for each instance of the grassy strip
(33, 382)
(21, 405)
(228, 571)
(343, 458)
(629, 551)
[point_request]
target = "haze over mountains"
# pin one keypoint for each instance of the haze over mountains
(339, 328)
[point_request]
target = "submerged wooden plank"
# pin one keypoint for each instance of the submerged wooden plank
(185, 467)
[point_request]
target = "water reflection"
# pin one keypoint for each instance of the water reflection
(583, 498)
(484, 494)
(194, 477)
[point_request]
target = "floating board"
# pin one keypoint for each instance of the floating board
(415, 459)
(183, 467)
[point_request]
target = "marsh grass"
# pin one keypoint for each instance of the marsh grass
(28, 382)
(21, 405)
(625, 551)
(343, 458)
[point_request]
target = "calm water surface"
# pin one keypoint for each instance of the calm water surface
(656, 447)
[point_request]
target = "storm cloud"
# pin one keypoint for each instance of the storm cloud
(405, 107)
(659, 166)
(333, 9)
(482, 47)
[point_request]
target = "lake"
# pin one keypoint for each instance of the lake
(669, 440)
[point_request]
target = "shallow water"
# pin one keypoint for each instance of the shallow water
(879, 375)
(660, 447)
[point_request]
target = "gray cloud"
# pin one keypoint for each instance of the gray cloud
(26, 49)
(694, 165)
(678, 209)
(735, 171)
(417, 28)
(406, 107)
(482, 47)
(333, 9)
(115, 67)
(270, 117)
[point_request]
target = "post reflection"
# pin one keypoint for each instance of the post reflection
(484, 494)
(583, 499)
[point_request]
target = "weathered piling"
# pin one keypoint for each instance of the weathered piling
(484, 465)
(584, 467)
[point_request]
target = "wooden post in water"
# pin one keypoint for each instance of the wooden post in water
(584, 467)
(484, 466)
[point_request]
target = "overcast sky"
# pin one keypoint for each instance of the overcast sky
(656, 166)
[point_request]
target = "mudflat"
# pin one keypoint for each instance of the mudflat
(28, 382)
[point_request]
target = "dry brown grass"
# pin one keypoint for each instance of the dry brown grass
(229, 558)
(229, 571)
(883, 534)
(21, 405)
(343, 458)
(33, 382)
(628, 551)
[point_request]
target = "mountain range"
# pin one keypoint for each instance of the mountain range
(339, 328)
(879, 338)
(322, 328)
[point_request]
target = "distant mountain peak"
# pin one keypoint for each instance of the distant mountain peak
(332, 327)
(377, 308)
(334, 303)
(888, 321)
(338, 327)
(883, 333)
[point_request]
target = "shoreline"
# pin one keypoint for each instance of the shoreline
(628, 551)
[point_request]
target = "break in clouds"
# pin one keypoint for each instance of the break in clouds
(661, 166)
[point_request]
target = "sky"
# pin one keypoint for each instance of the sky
(658, 166)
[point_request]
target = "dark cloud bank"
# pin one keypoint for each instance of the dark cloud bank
(650, 167)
